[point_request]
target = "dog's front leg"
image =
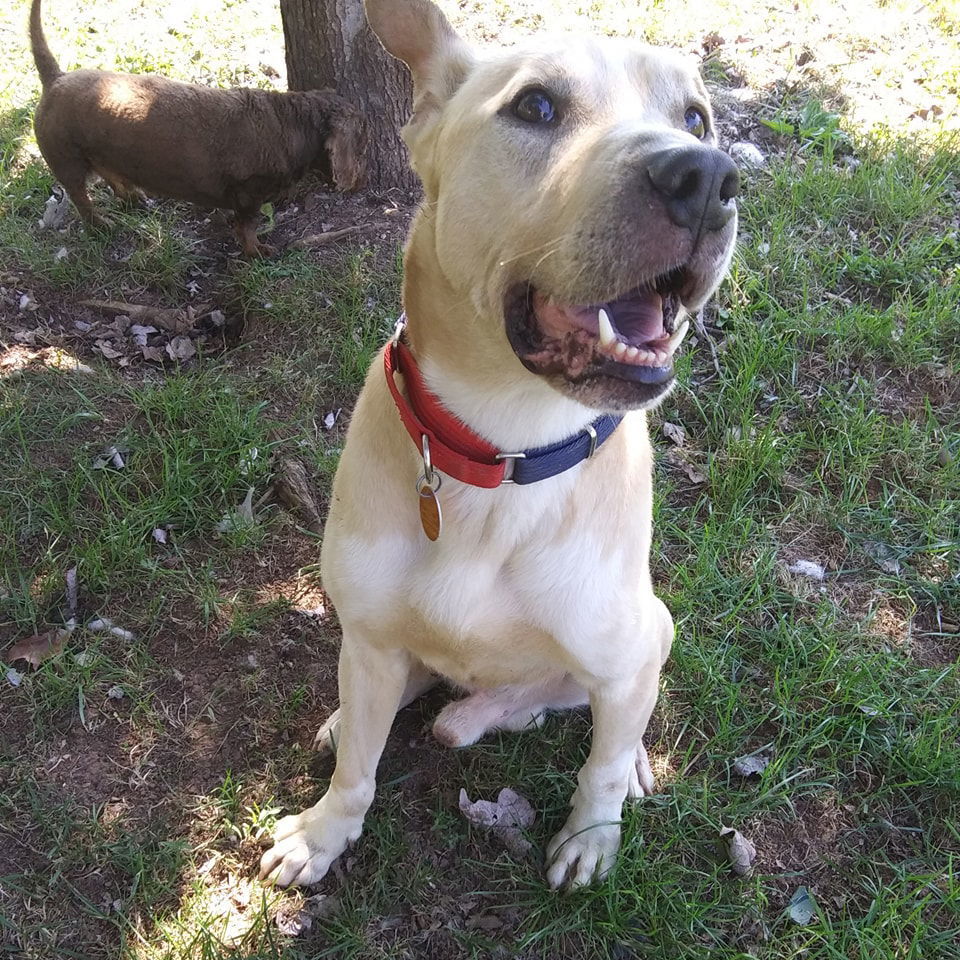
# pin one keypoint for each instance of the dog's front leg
(588, 843)
(372, 681)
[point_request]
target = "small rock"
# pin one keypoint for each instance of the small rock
(746, 154)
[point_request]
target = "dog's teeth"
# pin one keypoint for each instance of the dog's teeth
(620, 349)
(676, 337)
(608, 335)
(632, 353)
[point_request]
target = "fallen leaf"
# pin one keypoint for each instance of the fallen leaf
(694, 473)
(882, 556)
(61, 254)
(674, 432)
(181, 348)
(116, 692)
(39, 647)
(217, 318)
(751, 765)
(27, 303)
(112, 456)
(330, 419)
(802, 906)
(292, 918)
(246, 463)
(240, 518)
(140, 333)
(155, 354)
(159, 534)
(14, 677)
(807, 568)
(505, 817)
(740, 851)
(108, 350)
(55, 211)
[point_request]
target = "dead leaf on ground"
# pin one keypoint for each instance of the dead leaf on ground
(160, 534)
(751, 765)
(294, 918)
(802, 907)
(240, 518)
(807, 568)
(505, 817)
(693, 472)
(674, 432)
(740, 851)
(156, 354)
(181, 348)
(39, 647)
(71, 580)
(55, 211)
(108, 350)
(112, 456)
(882, 555)
(14, 677)
(330, 419)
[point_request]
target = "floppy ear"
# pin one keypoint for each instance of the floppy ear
(345, 148)
(417, 32)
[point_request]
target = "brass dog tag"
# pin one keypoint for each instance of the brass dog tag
(430, 517)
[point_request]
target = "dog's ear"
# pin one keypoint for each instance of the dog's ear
(417, 32)
(345, 151)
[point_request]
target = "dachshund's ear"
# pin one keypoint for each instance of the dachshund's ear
(345, 151)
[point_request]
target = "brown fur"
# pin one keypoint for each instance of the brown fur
(234, 149)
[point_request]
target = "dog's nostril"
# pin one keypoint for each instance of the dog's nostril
(688, 186)
(730, 186)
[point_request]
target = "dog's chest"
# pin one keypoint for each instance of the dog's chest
(517, 581)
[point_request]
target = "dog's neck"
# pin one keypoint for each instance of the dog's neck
(471, 369)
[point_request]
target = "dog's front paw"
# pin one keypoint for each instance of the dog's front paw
(305, 845)
(580, 854)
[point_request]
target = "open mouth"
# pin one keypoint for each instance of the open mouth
(633, 336)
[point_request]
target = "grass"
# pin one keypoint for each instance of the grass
(140, 776)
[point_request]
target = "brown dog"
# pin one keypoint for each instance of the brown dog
(234, 149)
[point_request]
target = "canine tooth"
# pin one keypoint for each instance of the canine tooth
(608, 335)
(677, 336)
(620, 349)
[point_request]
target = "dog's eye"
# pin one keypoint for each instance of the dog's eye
(535, 106)
(695, 123)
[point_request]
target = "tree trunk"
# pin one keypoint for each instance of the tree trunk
(328, 44)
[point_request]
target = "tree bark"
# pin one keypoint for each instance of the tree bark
(329, 44)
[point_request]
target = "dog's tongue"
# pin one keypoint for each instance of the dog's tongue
(638, 317)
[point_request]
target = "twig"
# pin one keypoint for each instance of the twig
(329, 236)
(702, 331)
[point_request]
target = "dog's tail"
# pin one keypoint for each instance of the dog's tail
(47, 66)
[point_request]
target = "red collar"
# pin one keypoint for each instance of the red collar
(450, 446)
(454, 448)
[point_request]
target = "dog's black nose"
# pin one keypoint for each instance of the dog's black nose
(697, 184)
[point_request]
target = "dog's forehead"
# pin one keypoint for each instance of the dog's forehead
(599, 68)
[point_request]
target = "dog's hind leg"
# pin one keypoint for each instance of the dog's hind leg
(510, 707)
(246, 228)
(372, 681)
(129, 194)
(418, 683)
(73, 171)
